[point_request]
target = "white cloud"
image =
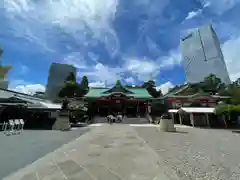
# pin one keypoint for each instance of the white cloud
(130, 80)
(97, 84)
(144, 69)
(29, 89)
(76, 59)
(231, 55)
(193, 14)
(102, 73)
(219, 6)
(165, 87)
(174, 57)
(50, 23)
(25, 87)
(44, 22)
(141, 68)
(216, 6)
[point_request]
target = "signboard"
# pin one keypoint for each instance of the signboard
(118, 101)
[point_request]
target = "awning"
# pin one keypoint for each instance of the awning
(197, 110)
(173, 110)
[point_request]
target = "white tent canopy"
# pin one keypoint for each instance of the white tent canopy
(173, 110)
(205, 110)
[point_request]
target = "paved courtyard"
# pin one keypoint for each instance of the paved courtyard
(197, 153)
(121, 151)
(18, 151)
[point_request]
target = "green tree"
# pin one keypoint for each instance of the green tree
(84, 85)
(70, 90)
(151, 88)
(211, 84)
(232, 90)
(71, 77)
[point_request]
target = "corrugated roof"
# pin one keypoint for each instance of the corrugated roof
(45, 105)
(32, 102)
(5, 94)
(14, 93)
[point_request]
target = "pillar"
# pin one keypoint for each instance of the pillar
(137, 106)
(192, 119)
(207, 118)
(173, 118)
(180, 118)
(224, 120)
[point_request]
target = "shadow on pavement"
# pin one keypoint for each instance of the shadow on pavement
(180, 132)
(236, 131)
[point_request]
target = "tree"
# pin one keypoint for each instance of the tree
(211, 84)
(149, 84)
(151, 88)
(232, 90)
(84, 85)
(70, 90)
(71, 77)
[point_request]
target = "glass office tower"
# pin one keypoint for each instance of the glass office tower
(202, 55)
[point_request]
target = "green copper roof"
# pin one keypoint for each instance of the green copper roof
(140, 93)
(118, 88)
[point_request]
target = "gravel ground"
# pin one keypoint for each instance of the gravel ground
(17, 151)
(197, 153)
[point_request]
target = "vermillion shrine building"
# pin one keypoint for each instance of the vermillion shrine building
(131, 101)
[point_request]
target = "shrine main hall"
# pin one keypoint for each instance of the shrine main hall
(132, 101)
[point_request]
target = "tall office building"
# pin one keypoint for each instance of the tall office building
(56, 78)
(202, 55)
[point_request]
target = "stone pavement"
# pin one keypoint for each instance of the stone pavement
(107, 152)
(19, 150)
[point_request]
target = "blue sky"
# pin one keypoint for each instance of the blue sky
(130, 40)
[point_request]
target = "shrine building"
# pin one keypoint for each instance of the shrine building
(131, 101)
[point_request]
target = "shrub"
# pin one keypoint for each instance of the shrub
(227, 108)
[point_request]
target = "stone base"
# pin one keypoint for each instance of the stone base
(62, 123)
(167, 125)
(171, 127)
(164, 125)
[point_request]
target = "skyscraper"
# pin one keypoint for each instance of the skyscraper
(202, 55)
(56, 78)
